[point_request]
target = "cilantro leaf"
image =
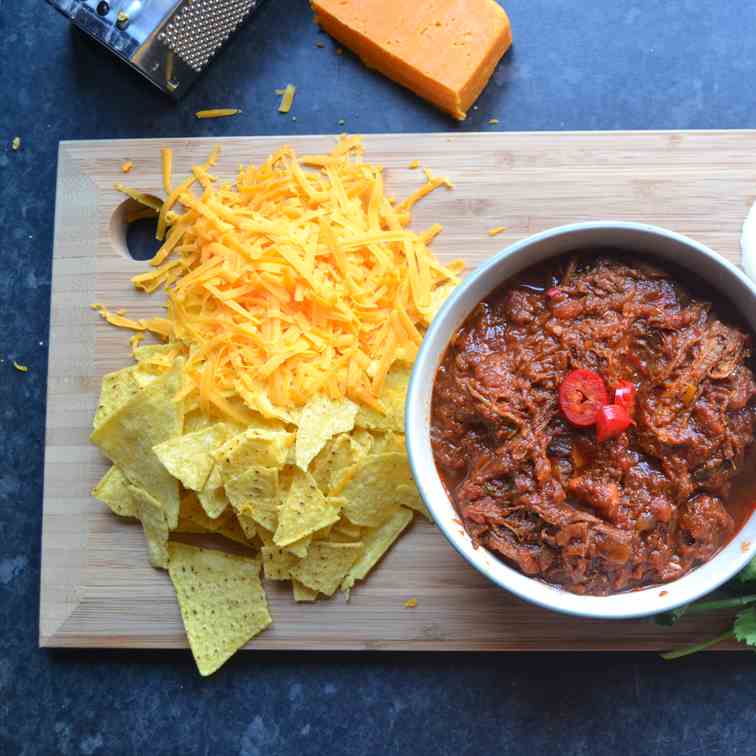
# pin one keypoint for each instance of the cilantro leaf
(745, 626)
(749, 573)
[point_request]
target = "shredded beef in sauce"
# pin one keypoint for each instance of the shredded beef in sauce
(595, 518)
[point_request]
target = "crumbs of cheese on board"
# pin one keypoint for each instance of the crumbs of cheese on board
(287, 98)
(21, 368)
(496, 230)
(410, 603)
(444, 51)
(302, 278)
(217, 113)
(126, 166)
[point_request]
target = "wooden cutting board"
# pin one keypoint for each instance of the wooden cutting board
(97, 587)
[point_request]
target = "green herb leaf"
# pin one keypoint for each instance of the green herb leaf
(667, 619)
(745, 626)
(749, 573)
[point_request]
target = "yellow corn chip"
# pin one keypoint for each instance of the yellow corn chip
(376, 543)
(409, 496)
(187, 526)
(196, 421)
(277, 562)
(255, 493)
(128, 435)
(299, 548)
(192, 511)
(188, 457)
(321, 419)
(265, 536)
(247, 525)
(116, 390)
(113, 490)
(371, 495)
(392, 398)
(154, 524)
(363, 438)
(347, 529)
(334, 465)
(143, 377)
(326, 565)
(214, 501)
(256, 446)
(383, 443)
(161, 354)
(221, 599)
(302, 592)
(303, 511)
(231, 528)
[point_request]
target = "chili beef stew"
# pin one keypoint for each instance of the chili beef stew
(590, 419)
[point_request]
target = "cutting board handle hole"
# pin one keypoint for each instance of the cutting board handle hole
(133, 230)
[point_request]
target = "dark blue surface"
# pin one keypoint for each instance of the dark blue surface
(592, 64)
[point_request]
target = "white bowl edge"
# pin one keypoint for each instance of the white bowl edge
(635, 237)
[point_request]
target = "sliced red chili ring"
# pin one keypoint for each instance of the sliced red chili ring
(581, 396)
(624, 395)
(611, 421)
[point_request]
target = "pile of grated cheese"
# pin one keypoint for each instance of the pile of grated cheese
(302, 278)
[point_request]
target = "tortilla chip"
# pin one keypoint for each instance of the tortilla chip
(335, 464)
(192, 511)
(196, 421)
(376, 543)
(321, 419)
(383, 443)
(299, 548)
(146, 420)
(116, 390)
(409, 496)
(303, 511)
(230, 528)
(154, 524)
(371, 495)
(363, 438)
(277, 562)
(247, 525)
(326, 565)
(187, 526)
(392, 398)
(256, 493)
(302, 592)
(160, 354)
(265, 536)
(259, 401)
(214, 501)
(214, 479)
(188, 457)
(113, 490)
(143, 377)
(256, 446)
(221, 599)
(347, 529)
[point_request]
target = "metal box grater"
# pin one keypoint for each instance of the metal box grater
(168, 41)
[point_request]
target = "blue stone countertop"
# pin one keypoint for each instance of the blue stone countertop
(593, 64)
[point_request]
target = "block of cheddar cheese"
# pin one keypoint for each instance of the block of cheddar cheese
(443, 50)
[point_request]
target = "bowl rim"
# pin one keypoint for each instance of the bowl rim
(624, 605)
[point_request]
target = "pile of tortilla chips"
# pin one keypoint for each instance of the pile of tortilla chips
(315, 498)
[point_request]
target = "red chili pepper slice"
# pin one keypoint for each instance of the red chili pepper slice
(581, 396)
(624, 395)
(612, 419)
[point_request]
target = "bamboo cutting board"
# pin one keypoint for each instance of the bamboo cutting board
(97, 587)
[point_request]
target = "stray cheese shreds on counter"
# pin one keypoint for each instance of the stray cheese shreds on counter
(16, 143)
(496, 230)
(287, 98)
(493, 121)
(300, 279)
(21, 368)
(217, 113)
(126, 166)
(444, 51)
(414, 164)
(410, 603)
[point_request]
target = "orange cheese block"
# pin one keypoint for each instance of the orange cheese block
(443, 50)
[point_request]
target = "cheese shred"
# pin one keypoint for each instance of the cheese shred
(301, 278)
(287, 98)
(217, 113)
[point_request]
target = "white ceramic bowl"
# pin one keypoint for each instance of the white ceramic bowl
(653, 241)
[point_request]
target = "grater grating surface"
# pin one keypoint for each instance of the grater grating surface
(201, 27)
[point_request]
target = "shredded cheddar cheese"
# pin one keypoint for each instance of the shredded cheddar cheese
(301, 278)
(16, 143)
(287, 98)
(126, 166)
(414, 164)
(496, 230)
(410, 603)
(21, 368)
(166, 155)
(217, 113)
